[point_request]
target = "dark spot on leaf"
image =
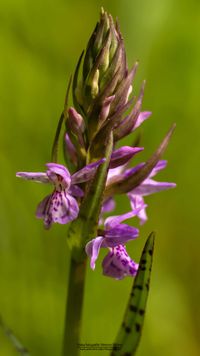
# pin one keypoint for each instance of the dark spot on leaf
(133, 308)
(141, 311)
(138, 287)
(142, 268)
(137, 327)
(127, 329)
(143, 261)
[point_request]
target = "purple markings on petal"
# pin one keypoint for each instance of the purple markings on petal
(59, 207)
(123, 155)
(114, 236)
(86, 173)
(42, 211)
(36, 177)
(43, 207)
(117, 264)
(68, 209)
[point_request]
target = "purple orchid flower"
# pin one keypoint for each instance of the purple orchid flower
(119, 159)
(147, 187)
(117, 263)
(61, 206)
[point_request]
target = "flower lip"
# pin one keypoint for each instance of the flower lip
(117, 263)
(58, 207)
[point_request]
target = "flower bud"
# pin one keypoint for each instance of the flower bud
(104, 75)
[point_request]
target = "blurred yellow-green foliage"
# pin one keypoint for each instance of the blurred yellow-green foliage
(40, 42)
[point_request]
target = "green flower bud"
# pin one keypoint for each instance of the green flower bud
(104, 75)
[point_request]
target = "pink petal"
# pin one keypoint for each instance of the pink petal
(150, 186)
(139, 207)
(92, 249)
(158, 167)
(37, 177)
(141, 118)
(113, 221)
(55, 169)
(86, 173)
(122, 155)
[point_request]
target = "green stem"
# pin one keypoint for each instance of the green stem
(74, 306)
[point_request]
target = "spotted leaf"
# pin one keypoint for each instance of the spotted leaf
(130, 331)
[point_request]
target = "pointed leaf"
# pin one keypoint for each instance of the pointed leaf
(130, 332)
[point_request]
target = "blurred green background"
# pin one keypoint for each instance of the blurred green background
(40, 42)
